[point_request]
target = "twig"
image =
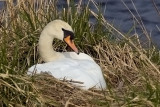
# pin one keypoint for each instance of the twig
(73, 81)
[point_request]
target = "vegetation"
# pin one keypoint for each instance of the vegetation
(131, 71)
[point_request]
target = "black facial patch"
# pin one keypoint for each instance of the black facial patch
(68, 33)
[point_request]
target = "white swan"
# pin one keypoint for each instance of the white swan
(72, 66)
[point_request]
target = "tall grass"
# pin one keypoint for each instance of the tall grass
(131, 72)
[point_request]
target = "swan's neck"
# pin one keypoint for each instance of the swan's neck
(46, 50)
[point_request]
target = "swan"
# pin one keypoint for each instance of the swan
(71, 66)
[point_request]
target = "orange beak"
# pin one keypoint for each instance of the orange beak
(71, 44)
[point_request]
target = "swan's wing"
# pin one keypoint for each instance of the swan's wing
(81, 56)
(85, 71)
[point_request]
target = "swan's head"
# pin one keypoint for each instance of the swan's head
(62, 31)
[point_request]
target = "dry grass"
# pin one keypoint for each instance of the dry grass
(131, 72)
(65, 94)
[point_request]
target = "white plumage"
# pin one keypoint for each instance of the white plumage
(67, 65)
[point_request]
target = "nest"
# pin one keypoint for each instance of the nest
(62, 93)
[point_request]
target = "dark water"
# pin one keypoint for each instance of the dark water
(117, 14)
